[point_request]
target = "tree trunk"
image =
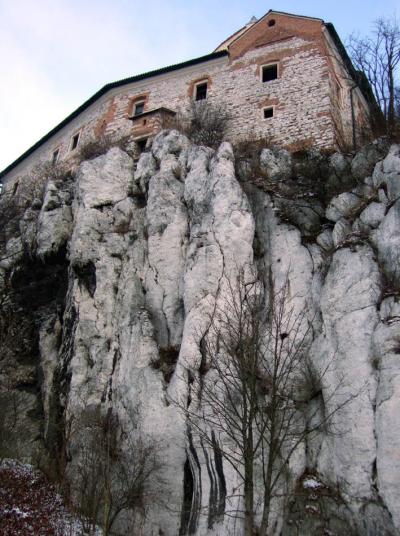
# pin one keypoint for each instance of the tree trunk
(249, 486)
(266, 508)
(268, 475)
(391, 111)
(248, 506)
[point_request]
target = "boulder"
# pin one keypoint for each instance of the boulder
(386, 239)
(340, 232)
(367, 157)
(277, 164)
(386, 174)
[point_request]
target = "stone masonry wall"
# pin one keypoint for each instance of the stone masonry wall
(300, 95)
(306, 111)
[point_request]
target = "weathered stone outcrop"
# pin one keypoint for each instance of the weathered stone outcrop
(125, 268)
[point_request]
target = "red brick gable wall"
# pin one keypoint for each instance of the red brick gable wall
(285, 27)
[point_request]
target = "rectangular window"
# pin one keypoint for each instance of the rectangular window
(74, 141)
(201, 91)
(269, 72)
(56, 154)
(139, 108)
(268, 112)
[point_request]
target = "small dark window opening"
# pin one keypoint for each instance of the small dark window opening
(144, 121)
(75, 141)
(201, 91)
(56, 154)
(268, 112)
(141, 145)
(139, 108)
(15, 188)
(270, 72)
(140, 148)
(271, 22)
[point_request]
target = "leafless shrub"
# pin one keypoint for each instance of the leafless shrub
(13, 203)
(313, 179)
(98, 146)
(114, 470)
(204, 123)
(21, 194)
(247, 156)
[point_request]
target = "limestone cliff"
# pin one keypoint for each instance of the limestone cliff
(112, 280)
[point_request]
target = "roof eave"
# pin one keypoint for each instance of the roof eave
(291, 15)
(359, 79)
(105, 89)
(269, 12)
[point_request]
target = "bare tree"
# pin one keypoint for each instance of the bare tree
(378, 55)
(289, 381)
(260, 381)
(114, 470)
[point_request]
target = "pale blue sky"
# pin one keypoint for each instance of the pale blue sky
(54, 54)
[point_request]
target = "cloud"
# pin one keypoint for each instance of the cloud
(30, 104)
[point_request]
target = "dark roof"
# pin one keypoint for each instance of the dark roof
(359, 77)
(162, 109)
(105, 89)
(291, 15)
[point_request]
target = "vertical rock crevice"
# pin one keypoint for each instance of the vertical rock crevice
(122, 288)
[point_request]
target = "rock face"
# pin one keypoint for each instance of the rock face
(125, 268)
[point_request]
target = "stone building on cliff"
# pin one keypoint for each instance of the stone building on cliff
(286, 77)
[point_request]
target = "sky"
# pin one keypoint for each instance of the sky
(54, 54)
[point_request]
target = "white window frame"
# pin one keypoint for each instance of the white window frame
(200, 83)
(278, 73)
(272, 107)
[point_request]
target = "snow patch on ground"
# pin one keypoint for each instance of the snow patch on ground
(31, 505)
(312, 483)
